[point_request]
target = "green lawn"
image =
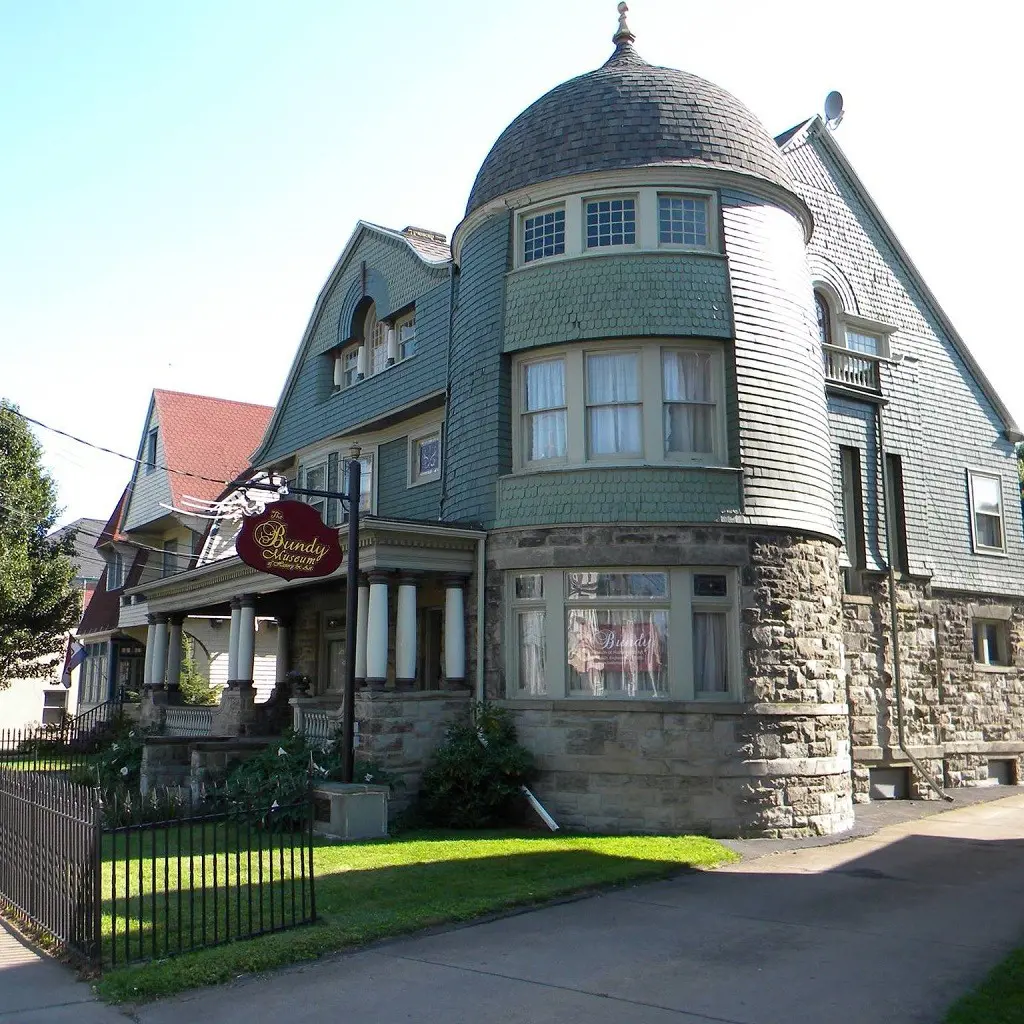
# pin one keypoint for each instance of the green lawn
(372, 890)
(999, 999)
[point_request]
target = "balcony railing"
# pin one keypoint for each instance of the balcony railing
(194, 721)
(852, 369)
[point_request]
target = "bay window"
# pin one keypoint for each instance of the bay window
(669, 633)
(615, 402)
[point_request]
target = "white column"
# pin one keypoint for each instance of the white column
(246, 638)
(159, 667)
(147, 671)
(174, 652)
(377, 631)
(236, 618)
(454, 631)
(283, 665)
(405, 632)
(362, 616)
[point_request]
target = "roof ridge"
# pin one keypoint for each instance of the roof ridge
(211, 398)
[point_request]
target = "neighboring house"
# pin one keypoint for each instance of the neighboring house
(623, 449)
(152, 535)
(46, 701)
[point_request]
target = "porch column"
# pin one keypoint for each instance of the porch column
(236, 620)
(246, 639)
(160, 637)
(377, 632)
(454, 632)
(174, 652)
(405, 633)
(362, 616)
(283, 659)
(147, 670)
(112, 693)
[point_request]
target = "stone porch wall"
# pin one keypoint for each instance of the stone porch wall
(959, 715)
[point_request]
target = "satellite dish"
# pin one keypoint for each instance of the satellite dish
(833, 109)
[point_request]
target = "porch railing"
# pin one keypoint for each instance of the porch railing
(188, 721)
(317, 725)
(852, 369)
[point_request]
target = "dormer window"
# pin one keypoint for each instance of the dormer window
(824, 315)
(384, 343)
(610, 222)
(405, 327)
(544, 234)
(151, 446)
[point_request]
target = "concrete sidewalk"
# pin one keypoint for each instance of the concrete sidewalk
(890, 927)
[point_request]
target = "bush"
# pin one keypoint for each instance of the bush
(118, 763)
(476, 778)
(194, 686)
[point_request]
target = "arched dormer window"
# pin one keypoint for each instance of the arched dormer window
(378, 344)
(824, 313)
(375, 338)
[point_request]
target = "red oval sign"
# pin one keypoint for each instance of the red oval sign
(289, 539)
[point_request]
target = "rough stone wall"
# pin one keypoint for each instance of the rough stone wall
(958, 715)
(401, 731)
(775, 763)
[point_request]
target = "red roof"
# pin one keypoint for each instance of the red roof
(103, 612)
(112, 531)
(211, 437)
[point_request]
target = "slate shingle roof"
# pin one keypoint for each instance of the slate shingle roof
(627, 113)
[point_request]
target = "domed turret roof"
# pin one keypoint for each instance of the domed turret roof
(627, 113)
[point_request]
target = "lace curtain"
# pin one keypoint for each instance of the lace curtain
(544, 409)
(613, 422)
(689, 402)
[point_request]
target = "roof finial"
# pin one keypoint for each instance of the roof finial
(623, 36)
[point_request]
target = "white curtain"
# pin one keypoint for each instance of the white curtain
(544, 389)
(619, 652)
(532, 677)
(614, 427)
(709, 653)
(689, 408)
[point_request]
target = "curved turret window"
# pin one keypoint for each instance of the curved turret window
(821, 307)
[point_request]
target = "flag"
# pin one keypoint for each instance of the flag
(74, 658)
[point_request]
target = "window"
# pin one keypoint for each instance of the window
(543, 410)
(544, 235)
(896, 525)
(115, 572)
(55, 704)
(616, 402)
(622, 633)
(858, 341)
(375, 337)
(824, 314)
(425, 458)
(986, 496)
(991, 642)
(170, 558)
(151, 446)
(853, 507)
(330, 473)
(365, 484)
(683, 220)
(346, 368)
(406, 328)
(314, 478)
(611, 222)
(614, 406)
(689, 397)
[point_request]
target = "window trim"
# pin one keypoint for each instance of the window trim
(681, 604)
(1004, 652)
(652, 404)
(414, 478)
(977, 547)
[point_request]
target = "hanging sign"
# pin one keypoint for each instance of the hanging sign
(289, 539)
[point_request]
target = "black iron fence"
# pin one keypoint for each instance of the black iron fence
(59, 747)
(142, 878)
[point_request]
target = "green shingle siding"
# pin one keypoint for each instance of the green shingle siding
(617, 296)
(654, 495)
(395, 499)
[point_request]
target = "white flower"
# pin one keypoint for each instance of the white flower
(281, 752)
(131, 735)
(124, 770)
(113, 746)
(274, 806)
(369, 778)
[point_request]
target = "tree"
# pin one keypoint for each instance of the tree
(38, 602)
(194, 686)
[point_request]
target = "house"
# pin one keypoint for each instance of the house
(645, 454)
(47, 701)
(190, 445)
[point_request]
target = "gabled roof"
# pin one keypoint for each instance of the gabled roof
(84, 558)
(210, 437)
(815, 128)
(103, 612)
(111, 532)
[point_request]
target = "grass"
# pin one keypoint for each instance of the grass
(373, 890)
(999, 999)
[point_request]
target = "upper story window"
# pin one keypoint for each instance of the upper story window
(406, 328)
(544, 234)
(611, 222)
(151, 446)
(425, 457)
(383, 345)
(824, 315)
(170, 558)
(642, 402)
(683, 220)
(986, 496)
(329, 472)
(115, 572)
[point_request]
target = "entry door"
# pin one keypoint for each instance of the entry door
(431, 627)
(336, 664)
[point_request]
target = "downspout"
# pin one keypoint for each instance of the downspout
(447, 389)
(481, 569)
(897, 679)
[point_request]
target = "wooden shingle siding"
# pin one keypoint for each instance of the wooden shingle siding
(309, 409)
(684, 294)
(782, 421)
(937, 419)
(478, 445)
(395, 499)
(149, 490)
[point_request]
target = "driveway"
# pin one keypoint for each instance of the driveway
(888, 927)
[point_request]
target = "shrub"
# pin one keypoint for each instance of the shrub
(194, 686)
(118, 763)
(476, 778)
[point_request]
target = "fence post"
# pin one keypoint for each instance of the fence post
(96, 938)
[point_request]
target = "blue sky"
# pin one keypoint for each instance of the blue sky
(178, 179)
